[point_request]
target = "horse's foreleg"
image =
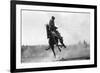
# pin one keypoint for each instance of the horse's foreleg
(63, 45)
(61, 41)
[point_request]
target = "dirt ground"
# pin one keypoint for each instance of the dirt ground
(38, 53)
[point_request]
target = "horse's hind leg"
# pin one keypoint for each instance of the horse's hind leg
(47, 48)
(58, 47)
(57, 44)
(53, 50)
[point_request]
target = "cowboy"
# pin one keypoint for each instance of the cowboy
(54, 30)
(52, 24)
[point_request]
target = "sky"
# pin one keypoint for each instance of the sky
(74, 27)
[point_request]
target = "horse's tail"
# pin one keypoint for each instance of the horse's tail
(48, 31)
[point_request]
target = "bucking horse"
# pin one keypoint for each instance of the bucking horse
(53, 40)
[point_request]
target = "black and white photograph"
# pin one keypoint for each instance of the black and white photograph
(53, 35)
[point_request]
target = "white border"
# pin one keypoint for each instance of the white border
(20, 65)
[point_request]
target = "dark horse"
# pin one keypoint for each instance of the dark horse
(53, 40)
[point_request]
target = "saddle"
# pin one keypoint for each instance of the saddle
(52, 31)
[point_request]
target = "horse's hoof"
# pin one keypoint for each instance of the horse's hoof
(64, 46)
(46, 49)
